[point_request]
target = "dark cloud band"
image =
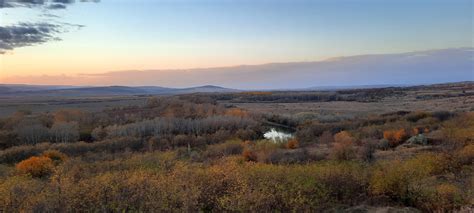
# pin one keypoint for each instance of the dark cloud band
(28, 34)
(47, 4)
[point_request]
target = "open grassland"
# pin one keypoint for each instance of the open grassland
(10, 105)
(396, 149)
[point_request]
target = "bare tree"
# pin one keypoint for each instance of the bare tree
(64, 132)
(32, 134)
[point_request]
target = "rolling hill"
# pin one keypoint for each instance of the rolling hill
(33, 90)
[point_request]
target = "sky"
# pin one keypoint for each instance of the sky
(78, 38)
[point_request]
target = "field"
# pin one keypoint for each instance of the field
(439, 98)
(9, 105)
(403, 149)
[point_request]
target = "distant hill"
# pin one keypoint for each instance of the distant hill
(33, 90)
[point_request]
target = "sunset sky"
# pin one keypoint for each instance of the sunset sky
(78, 38)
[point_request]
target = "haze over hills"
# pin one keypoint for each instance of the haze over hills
(412, 68)
(44, 90)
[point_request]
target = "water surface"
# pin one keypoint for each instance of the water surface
(276, 135)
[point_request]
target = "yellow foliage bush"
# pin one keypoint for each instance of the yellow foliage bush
(448, 197)
(465, 155)
(460, 130)
(400, 180)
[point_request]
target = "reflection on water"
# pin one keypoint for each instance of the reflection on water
(277, 136)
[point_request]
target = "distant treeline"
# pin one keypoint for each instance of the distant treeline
(360, 95)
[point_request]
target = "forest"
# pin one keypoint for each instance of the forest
(200, 152)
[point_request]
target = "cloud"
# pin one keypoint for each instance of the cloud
(57, 6)
(45, 4)
(27, 34)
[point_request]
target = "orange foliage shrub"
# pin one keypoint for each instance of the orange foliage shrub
(249, 155)
(292, 144)
(236, 112)
(36, 166)
(395, 137)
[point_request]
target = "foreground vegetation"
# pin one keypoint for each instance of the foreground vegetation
(189, 153)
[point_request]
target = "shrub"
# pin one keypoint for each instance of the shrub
(420, 130)
(18, 153)
(55, 155)
(343, 148)
(326, 137)
(459, 131)
(249, 155)
(418, 139)
(343, 137)
(292, 144)
(232, 147)
(415, 116)
(465, 155)
(345, 182)
(236, 112)
(395, 137)
(343, 151)
(435, 197)
(442, 115)
(448, 197)
(367, 151)
(283, 156)
(400, 179)
(17, 191)
(383, 144)
(36, 166)
(264, 149)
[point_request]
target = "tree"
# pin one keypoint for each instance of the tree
(32, 134)
(99, 133)
(65, 132)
